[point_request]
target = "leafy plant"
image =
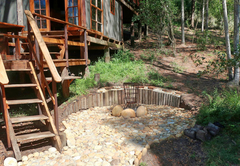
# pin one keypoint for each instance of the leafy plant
(176, 67)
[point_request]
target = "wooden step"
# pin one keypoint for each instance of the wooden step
(71, 77)
(40, 135)
(25, 101)
(19, 85)
(28, 118)
(52, 53)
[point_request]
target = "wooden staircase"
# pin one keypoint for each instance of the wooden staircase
(34, 68)
(16, 139)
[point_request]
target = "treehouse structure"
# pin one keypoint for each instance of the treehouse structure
(42, 39)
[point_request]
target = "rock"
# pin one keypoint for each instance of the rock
(213, 129)
(24, 158)
(141, 111)
(105, 163)
(203, 135)
(190, 133)
(52, 150)
(128, 113)
(117, 110)
(115, 162)
(10, 161)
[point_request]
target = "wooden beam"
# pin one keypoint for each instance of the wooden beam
(128, 6)
(72, 62)
(103, 42)
(43, 46)
(20, 12)
(61, 41)
(97, 47)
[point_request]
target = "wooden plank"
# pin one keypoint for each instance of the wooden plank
(103, 42)
(128, 6)
(19, 85)
(24, 101)
(16, 65)
(40, 135)
(3, 75)
(72, 62)
(28, 118)
(58, 20)
(61, 41)
(53, 127)
(15, 146)
(43, 46)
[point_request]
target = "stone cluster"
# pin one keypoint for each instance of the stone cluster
(96, 138)
(202, 133)
(129, 113)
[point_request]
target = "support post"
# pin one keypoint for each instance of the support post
(107, 55)
(132, 34)
(66, 44)
(54, 89)
(86, 47)
(4, 109)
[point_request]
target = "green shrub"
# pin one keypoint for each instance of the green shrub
(222, 107)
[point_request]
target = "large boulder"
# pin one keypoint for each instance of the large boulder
(117, 110)
(128, 113)
(141, 111)
(10, 161)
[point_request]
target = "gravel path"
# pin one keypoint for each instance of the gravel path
(95, 138)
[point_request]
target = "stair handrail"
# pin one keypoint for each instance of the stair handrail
(43, 47)
(3, 74)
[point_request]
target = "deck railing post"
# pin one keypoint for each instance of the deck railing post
(29, 36)
(5, 112)
(54, 91)
(86, 47)
(66, 45)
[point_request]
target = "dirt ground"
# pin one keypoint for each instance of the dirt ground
(182, 70)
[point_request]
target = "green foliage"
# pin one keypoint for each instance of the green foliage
(203, 39)
(224, 149)
(157, 15)
(122, 68)
(143, 164)
(222, 107)
(176, 67)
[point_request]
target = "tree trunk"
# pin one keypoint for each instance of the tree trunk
(203, 11)
(228, 48)
(206, 26)
(236, 41)
(183, 34)
(193, 13)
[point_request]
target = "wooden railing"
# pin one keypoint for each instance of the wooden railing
(3, 75)
(42, 45)
(66, 42)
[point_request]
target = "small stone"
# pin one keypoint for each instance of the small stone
(105, 163)
(10, 161)
(115, 162)
(117, 110)
(144, 152)
(201, 135)
(52, 150)
(128, 113)
(65, 148)
(141, 111)
(213, 129)
(24, 158)
(36, 154)
(190, 133)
